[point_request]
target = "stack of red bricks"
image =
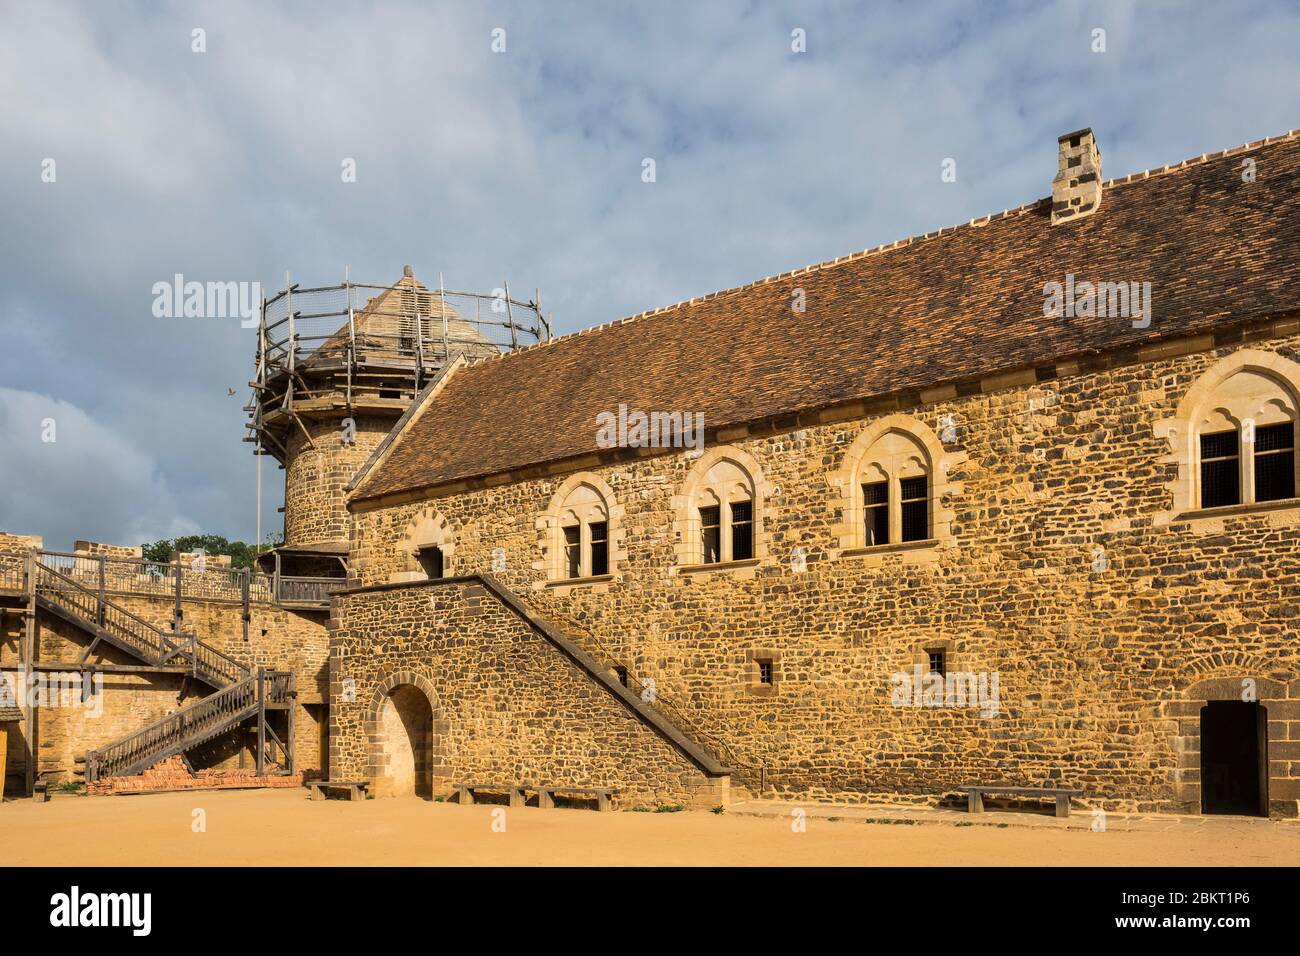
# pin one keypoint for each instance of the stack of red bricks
(172, 774)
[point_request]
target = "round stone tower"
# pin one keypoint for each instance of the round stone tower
(336, 368)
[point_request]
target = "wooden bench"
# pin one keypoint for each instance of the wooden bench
(975, 796)
(465, 793)
(603, 795)
(518, 797)
(356, 788)
(41, 791)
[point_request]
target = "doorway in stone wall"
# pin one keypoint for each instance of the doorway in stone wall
(406, 723)
(1234, 758)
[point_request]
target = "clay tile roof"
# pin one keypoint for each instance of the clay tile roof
(950, 306)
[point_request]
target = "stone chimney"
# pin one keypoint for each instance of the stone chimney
(1076, 190)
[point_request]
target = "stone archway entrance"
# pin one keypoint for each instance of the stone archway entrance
(406, 723)
(1223, 744)
(405, 738)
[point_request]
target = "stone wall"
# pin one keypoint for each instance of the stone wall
(1067, 571)
(446, 679)
(317, 473)
(13, 559)
(120, 551)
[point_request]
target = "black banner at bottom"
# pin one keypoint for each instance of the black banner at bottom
(364, 905)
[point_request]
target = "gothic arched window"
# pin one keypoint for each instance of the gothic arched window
(1235, 434)
(579, 528)
(719, 512)
(893, 482)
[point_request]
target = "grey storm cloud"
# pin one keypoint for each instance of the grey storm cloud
(524, 165)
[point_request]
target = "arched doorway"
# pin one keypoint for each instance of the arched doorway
(405, 746)
(1222, 740)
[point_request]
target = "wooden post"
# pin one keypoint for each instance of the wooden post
(275, 583)
(510, 317)
(293, 345)
(178, 614)
(351, 348)
(99, 611)
(261, 721)
(289, 744)
(442, 297)
(419, 333)
(244, 587)
(27, 656)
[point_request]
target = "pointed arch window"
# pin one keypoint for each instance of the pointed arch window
(724, 507)
(720, 514)
(580, 530)
(895, 488)
(1245, 443)
(893, 491)
(1235, 433)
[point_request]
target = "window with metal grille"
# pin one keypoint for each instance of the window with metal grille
(599, 547)
(1275, 462)
(914, 503)
(765, 670)
(742, 530)
(1220, 470)
(431, 561)
(938, 662)
(875, 506)
(573, 550)
(711, 533)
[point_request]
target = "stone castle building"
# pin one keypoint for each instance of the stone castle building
(1012, 502)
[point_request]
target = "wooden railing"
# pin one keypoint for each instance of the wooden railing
(193, 579)
(215, 667)
(189, 726)
(176, 579)
(148, 641)
(302, 590)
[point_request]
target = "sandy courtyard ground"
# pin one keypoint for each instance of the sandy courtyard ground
(284, 827)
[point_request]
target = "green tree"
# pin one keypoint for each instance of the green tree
(241, 554)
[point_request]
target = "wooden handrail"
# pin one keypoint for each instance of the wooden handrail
(155, 644)
(189, 726)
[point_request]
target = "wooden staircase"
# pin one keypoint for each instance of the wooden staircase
(113, 624)
(195, 724)
(240, 693)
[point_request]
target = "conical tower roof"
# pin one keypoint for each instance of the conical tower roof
(386, 326)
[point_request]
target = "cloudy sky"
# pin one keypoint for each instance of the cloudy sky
(523, 165)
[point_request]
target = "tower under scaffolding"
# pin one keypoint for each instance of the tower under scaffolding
(337, 366)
